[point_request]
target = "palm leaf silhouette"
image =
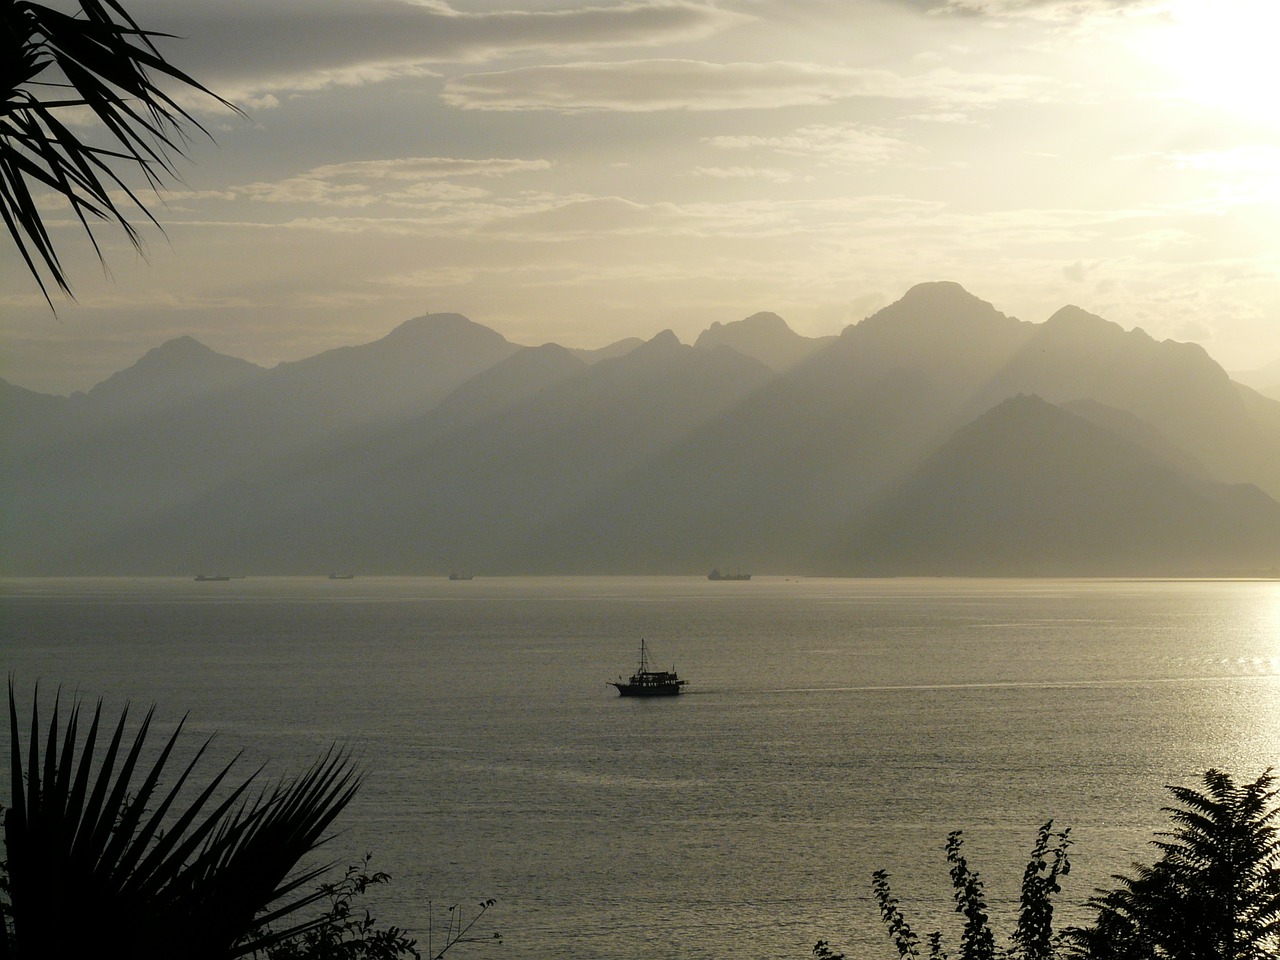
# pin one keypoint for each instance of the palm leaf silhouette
(92, 836)
(99, 59)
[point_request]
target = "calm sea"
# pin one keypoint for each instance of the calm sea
(831, 727)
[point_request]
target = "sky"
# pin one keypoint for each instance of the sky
(584, 172)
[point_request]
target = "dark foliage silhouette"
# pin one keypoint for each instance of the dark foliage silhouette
(1214, 892)
(101, 60)
(349, 933)
(90, 834)
(1031, 939)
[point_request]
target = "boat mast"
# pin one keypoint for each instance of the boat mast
(644, 661)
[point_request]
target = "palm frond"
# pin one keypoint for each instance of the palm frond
(111, 66)
(84, 840)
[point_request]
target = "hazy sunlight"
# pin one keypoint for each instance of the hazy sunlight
(1221, 55)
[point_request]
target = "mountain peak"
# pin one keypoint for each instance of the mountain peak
(1075, 317)
(942, 298)
(666, 340)
(764, 321)
(758, 323)
(940, 308)
(762, 336)
(183, 349)
(432, 326)
(942, 328)
(661, 350)
(183, 344)
(939, 293)
(179, 369)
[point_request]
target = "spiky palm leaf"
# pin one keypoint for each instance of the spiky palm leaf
(93, 837)
(101, 60)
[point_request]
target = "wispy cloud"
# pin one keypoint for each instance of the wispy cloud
(252, 50)
(746, 173)
(396, 182)
(650, 85)
(419, 168)
(828, 144)
(1057, 11)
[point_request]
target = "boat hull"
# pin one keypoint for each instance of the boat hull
(648, 690)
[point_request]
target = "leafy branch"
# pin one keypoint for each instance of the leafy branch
(458, 929)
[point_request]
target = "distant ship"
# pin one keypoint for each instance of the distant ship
(461, 576)
(715, 574)
(342, 576)
(202, 577)
(649, 683)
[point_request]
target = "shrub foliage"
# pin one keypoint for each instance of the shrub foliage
(1214, 891)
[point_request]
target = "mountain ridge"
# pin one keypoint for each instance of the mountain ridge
(443, 445)
(945, 520)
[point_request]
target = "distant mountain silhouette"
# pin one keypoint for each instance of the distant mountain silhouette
(408, 371)
(616, 349)
(764, 336)
(1030, 489)
(937, 435)
(491, 486)
(25, 416)
(180, 371)
(1137, 431)
(519, 379)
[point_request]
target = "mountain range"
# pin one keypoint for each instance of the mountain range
(936, 437)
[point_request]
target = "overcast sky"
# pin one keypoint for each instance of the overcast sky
(584, 172)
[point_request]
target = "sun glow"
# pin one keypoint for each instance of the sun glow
(1220, 54)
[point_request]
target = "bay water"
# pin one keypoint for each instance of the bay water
(830, 728)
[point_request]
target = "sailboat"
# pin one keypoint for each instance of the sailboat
(649, 683)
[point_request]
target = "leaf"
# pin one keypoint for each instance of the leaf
(83, 841)
(108, 64)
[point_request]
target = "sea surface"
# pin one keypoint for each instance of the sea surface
(830, 728)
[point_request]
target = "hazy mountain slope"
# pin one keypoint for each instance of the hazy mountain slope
(1030, 489)
(616, 349)
(758, 485)
(502, 495)
(509, 383)
(178, 372)
(165, 381)
(431, 496)
(1264, 446)
(140, 441)
(762, 485)
(407, 372)
(941, 331)
(185, 421)
(1175, 387)
(764, 336)
(1265, 379)
(1138, 432)
(25, 416)
(976, 357)
(341, 503)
